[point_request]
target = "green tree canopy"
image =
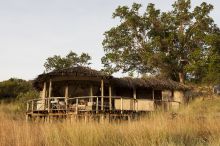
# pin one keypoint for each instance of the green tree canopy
(170, 44)
(13, 87)
(213, 65)
(70, 60)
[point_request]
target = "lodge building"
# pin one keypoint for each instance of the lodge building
(78, 91)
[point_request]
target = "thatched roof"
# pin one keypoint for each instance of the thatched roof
(89, 74)
(149, 82)
(77, 71)
(74, 72)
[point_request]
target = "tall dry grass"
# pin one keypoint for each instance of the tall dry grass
(187, 128)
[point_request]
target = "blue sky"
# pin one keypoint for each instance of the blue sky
(33, 30)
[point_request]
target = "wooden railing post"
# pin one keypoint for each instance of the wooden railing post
(66, 105)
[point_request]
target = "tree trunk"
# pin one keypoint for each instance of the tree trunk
(181, 77)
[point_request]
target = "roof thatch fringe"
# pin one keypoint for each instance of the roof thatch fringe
(148, 82)
(78, 71)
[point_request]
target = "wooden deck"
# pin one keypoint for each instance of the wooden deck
(94, 107)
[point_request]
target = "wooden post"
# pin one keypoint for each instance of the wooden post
(129, 118)
(27, 106)
(110, 97)
(66, 96)
(44, 94)
(50, 88)
(44, 90)
(49, 96)
(162, 103)
(121, 105)
(32, 106)
(86, 118)
(48, 102)
(48, 99)
(97, 104)
(67, 91)
(135, 97)
(27, 117)
(134, 93)
(102, 118)
(153, 93)
(91, 93)
(102, 95)
(153, 98)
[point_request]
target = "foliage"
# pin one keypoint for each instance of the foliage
(170, 43)
(70, 60)
(13, 87)
(213, 67)
(22, 98)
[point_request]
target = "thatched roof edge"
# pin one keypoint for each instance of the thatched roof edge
(149, 82)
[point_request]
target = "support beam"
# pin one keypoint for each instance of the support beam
(110, 97)
(67, 91)
(49, 100)
(102, 95)
(91, 93)
(135, 97)
(97, 105)
(44, 90)
(154, 103)
(44, 94)
(134, 93)
(32, 106)
(66, 95)
(27, 107)
(50, 88)
(153, 94)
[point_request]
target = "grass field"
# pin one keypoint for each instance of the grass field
(196, 124)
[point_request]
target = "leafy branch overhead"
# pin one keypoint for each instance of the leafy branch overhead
(168, 43)
(70, 60)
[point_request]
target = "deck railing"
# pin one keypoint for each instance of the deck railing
(97, 104)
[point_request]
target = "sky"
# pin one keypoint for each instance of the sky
(33, 30)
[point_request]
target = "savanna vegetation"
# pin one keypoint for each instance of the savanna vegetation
(17, 91)
(182, 44)
(196, 124)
